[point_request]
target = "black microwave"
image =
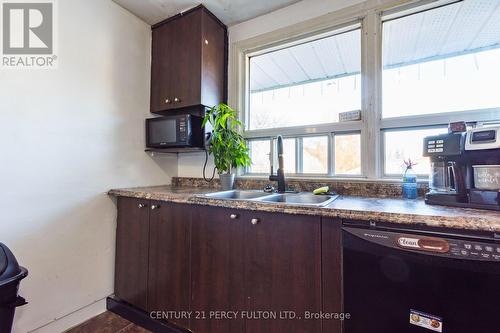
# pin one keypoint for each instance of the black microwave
(181, 131)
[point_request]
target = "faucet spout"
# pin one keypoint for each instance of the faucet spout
(280, 176)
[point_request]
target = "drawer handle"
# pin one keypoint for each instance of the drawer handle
(141, 205)
(177, 100)
(153, 207)
(233, 216)
(167, 101)
(254, 221)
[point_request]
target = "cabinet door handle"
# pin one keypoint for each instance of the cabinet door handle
(254, 221)
(177, 100)
(167, 101)
(233, 216)
(141, 205)
(153, 207)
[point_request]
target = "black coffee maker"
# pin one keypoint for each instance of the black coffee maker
(447, 174)
(465, 168)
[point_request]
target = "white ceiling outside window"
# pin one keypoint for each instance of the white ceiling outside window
(459, 28)
(321, 59)
(463, 27)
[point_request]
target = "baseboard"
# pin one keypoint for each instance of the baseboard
(73, 319)
(140, 317)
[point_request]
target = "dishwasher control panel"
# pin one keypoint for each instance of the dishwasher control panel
(431, 244)
(474, 250)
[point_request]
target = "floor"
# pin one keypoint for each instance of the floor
(107, 322)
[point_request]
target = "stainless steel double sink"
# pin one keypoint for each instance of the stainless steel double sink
(303, 198)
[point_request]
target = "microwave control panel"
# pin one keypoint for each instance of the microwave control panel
(182, 129)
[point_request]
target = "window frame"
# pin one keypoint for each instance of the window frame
(369, 17)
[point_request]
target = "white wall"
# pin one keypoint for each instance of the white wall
(66, 137)
(190, 165)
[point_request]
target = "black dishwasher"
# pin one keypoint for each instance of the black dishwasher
(404, 280)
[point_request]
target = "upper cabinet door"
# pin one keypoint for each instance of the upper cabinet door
(186, 60)
(283, 271)
(132, 251)
(189, 62)
(162, 70)
(217, 264)
(214, 60)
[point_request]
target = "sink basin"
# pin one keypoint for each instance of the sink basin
(307, 199)
(237, 195)
(304, 199)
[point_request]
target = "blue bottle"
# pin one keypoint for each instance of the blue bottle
(410, 184)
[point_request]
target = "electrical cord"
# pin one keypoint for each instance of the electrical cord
(205, 167)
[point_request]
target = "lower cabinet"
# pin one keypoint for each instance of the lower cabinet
(132, 252)
(331, 252)
(152, 268)
(234, 270)
(283, 271)
(218, 268)
(169, 260)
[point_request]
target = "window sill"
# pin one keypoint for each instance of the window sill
(333, 179)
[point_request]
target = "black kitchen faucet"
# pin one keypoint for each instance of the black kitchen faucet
(280, 173)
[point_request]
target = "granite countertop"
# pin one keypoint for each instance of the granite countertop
(392, 210)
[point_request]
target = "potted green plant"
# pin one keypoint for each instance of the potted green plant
(227, 144)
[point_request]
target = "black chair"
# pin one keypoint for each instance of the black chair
(11, 275)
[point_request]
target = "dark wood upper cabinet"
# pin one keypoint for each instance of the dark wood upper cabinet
(283, 270)
(189, 61)
(161, 70)
(217, 263)
(132, 252)
(169, 266)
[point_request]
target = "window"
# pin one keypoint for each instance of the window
(401, 145)
(305, 84)
(259, 154)
(289, 150)
(437, 62)
(348, 154)
(310, 155)
(440, 64)
(298, 87)
(315, 155)
(442, 60)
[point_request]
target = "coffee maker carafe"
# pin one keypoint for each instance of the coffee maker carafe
(446, 179)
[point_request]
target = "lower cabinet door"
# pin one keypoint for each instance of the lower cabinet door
(217, 261)
(169, 266)
(283, 272)
(132, 250)
(332, 272)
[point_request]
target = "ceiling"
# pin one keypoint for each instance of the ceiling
(460, 28)
(228, 11)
